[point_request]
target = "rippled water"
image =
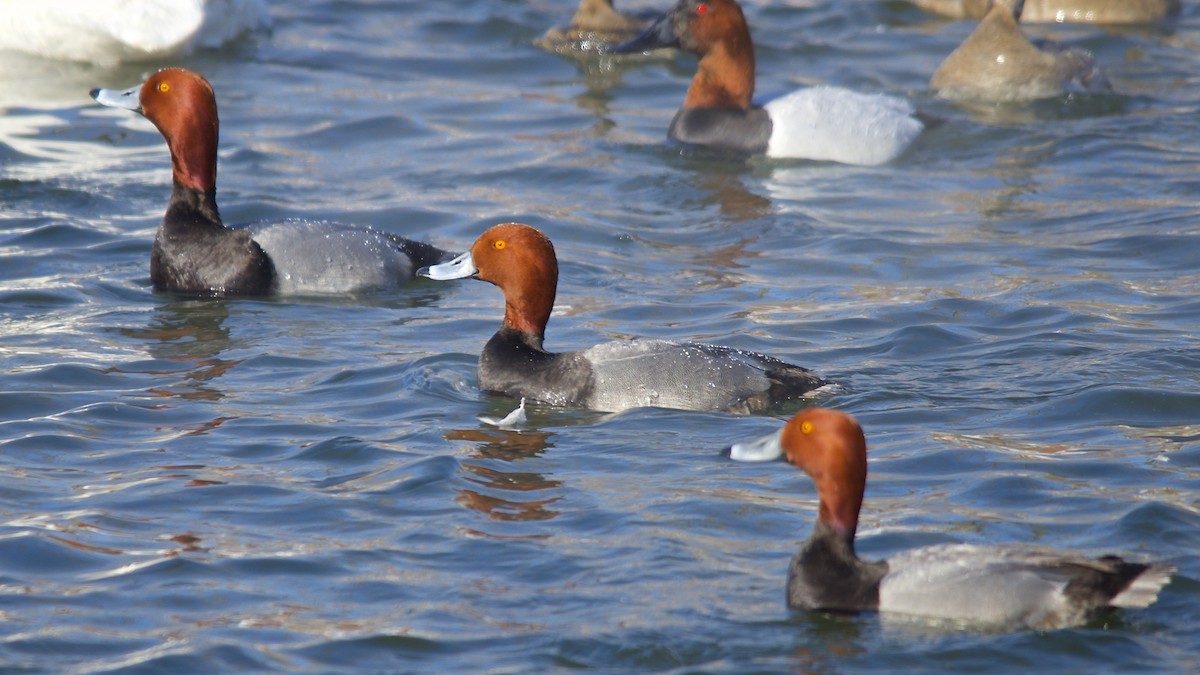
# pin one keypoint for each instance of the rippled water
(304, 484)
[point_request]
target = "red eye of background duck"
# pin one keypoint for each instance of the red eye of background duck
(702, 9)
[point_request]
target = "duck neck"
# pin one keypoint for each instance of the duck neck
(840, 515)
(834, 539)
(520, 322)
(511, 335)
(190, 208)
(841, 480)
(194, 153)
(725, 76)
(527, 305)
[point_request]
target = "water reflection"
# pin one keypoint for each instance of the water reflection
(728, 192)
(829, 638)
(508, 446)
(504, 444)
(717, 262)
(601, 73)
(53, 143)
(189, 543)
(496, 508)
(1072, 106)
(600, 76)
(191, 332)
(187, 329)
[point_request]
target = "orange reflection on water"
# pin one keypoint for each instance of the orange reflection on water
(496, 508)
(503, 443)
(509, 446)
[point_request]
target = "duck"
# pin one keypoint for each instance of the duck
(1063, 11)
(595, 26)
(196, 253)
(822, 123)
(993, 587)
(997, 62)
(115, 31)
(612, 376)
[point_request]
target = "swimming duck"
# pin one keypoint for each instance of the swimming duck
(111, 31)
(998, 63)
(985, 586)
(611, 376)
(821, 123)
(194, 252)
(595, 26)
(1063, 11)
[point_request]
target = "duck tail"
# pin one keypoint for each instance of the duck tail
(422, 254)
(1143, 589)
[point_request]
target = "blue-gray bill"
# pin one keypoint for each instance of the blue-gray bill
(129, 99)
(660, 34)
(460, 268)
(764, 449)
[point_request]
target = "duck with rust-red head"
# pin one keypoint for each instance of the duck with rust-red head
(821, 123)
(196, 253)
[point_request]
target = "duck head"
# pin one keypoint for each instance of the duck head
(693, 25)
(830, 447)
(520, 261)
(182, 105)
(715, 30)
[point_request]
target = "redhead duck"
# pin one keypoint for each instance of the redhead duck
(1063, 11)
(595, 26)
(611, 376)
(194, 252)
(821, 123)
(998, 63)
(985, 586)
(111, 31)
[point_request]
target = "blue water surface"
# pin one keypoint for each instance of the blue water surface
(304, 484)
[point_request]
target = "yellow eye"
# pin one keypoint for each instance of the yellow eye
(806, 427)
(164, 87)
(499, 245)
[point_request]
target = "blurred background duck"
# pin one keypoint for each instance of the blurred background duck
(822, 123)
(1063, 11)
(114, 31)
(596, 25)
(997, 62)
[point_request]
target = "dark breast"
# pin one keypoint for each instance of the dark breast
(216, 262)
(513, 363)
(195, 253)
(827, 575)
(729, 129)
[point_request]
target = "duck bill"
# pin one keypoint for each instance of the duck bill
(660, 34)
(460, 268)
(129, 99)
(765, 449)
